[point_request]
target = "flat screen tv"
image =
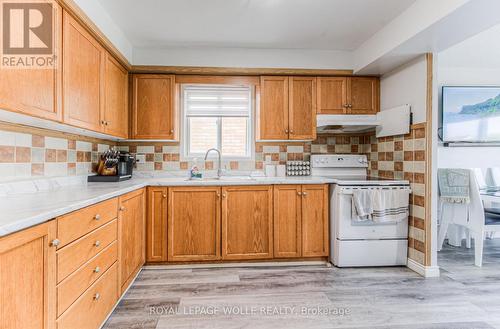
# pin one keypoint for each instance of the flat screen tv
(471, 114)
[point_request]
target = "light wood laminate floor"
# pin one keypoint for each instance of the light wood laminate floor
(464, 297)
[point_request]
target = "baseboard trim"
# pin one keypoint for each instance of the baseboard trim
(230, 265)
(425, 271)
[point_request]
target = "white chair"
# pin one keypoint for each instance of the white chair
(481, 181)
(470, 216)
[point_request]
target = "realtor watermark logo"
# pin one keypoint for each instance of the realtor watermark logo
(28, 34)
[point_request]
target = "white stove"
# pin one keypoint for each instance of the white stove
(352, 243)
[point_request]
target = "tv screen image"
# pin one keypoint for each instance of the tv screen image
(471, 114)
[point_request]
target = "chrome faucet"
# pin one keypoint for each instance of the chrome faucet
(219, 170)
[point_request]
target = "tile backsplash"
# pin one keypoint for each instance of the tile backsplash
(24, 155)
(166, 156)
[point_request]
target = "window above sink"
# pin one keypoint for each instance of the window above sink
(217, 116)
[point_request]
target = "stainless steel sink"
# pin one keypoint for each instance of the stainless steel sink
(222, 178)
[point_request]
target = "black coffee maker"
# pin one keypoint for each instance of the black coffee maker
(126, 163)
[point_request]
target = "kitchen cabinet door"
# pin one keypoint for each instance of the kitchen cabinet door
(28, 278)
(273, 110)
(36, 92)
(332, 95)
(83, 72)
(193, 223)
(302, 108)
(287, 221)
(131, 236)
(156, 225)
(115, 116)
(315, 231)
(247, 222)
(153, 111)
(363, 95)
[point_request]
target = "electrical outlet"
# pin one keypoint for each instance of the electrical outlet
(140, 158)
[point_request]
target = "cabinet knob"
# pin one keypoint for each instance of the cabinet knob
(107, 123)
(97, 243)
(304, 193)
(164, 196)
(299, 193)
(291, 131)
(97, 296)
(218, 194)
(97, 217)
(223, 195)
(349, 106)
(286, 131)
(103, 122)
(171, 131)
(97, 269)
(122, 208)
(55, 243)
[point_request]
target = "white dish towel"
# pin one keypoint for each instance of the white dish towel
(362, 208)
(390, 205)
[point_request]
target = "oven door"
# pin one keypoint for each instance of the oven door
(346, 228)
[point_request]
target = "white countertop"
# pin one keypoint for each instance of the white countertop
(28, 203)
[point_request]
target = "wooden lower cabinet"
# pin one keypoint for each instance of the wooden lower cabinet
(287, 221)
(156, 225)
(28, 278)
(91, 309)
(247, 222)
(131, 236)
(301, 221)
(193, 223)
(315, 228)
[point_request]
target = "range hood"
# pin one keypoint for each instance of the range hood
(390, 122)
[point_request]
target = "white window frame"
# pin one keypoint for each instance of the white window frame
(184, 131)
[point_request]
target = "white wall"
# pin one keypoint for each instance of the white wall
(95, 11)
(244, 57)
(406, 85)
(474, 62)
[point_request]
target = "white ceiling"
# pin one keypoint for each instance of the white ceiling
(271, 24)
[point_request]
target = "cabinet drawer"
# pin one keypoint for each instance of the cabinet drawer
(90, 310)
(74, 285)
(80, 251)
(78, 223)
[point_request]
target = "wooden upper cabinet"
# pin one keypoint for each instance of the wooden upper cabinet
(247, 222)
(273, 111)
(28, 278)
(287, 221)
(35, 92)
(332, 95)
(83, 71)
(131, 235)
(315, 211)
(153, 110)
(302, 108)
(348, 95)
(364, 95)
(193, 223)
(156, 225)
(115, 112)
